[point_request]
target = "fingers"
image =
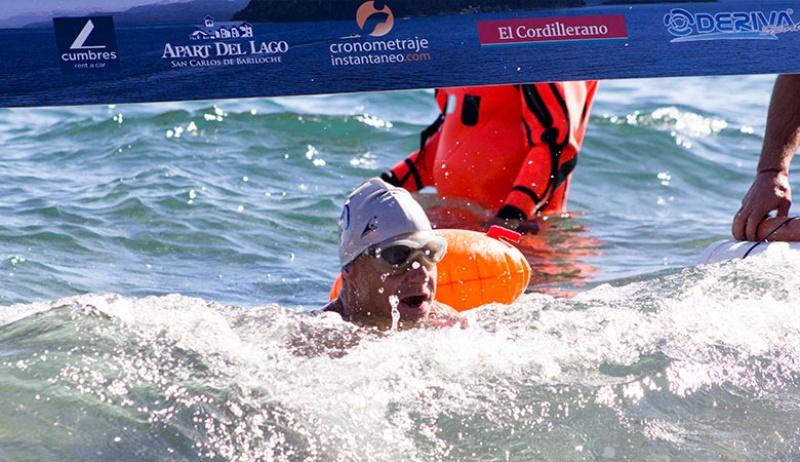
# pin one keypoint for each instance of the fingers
(746, 221)
(739, 224)
(767, 193)
(751, 228)
(783, 208)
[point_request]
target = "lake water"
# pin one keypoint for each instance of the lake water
(155, 262)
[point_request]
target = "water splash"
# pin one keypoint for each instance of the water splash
(657, 367)
(395, 301)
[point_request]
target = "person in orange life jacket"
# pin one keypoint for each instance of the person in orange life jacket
(510, 148)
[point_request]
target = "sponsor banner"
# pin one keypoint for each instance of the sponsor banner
(377, 21)
(689, 26)
(223, 44)
(567, 28)
(164, 50)
(86, 43)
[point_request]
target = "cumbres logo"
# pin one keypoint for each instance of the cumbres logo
(87, 43)
(371, 9)
(377, 20)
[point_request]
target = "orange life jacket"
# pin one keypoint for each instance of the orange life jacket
(514, 145)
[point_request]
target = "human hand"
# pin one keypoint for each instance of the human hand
(510, 217)
(522, 225)
(769, 191)
(779, 229)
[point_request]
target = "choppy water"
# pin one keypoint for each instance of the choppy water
(233, 204)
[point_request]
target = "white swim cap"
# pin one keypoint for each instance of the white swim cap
(374, 213)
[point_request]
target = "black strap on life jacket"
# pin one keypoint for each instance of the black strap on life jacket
(391, 178)
(550, 135)
(412, 169)
(562, 171)
(430, 131)
(529, 192)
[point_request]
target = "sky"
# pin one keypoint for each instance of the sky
(16, 8)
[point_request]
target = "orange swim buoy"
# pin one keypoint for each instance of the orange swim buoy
(477, 269)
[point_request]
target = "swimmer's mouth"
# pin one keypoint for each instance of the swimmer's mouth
(414, 301)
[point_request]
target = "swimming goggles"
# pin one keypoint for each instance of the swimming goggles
(397, 256)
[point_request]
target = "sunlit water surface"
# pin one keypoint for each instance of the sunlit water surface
(623, 349)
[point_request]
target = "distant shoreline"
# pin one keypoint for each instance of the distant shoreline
(193, 11)
(331, 10)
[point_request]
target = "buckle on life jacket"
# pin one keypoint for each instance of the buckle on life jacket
(470, 109)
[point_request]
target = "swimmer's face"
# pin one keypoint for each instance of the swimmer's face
(372, 288)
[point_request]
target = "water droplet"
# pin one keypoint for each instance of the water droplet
(395, 301)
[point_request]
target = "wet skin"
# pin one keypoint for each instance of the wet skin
(371, 287)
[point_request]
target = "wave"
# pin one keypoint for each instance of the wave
(664, 367)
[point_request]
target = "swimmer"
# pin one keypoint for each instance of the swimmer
(388, 254)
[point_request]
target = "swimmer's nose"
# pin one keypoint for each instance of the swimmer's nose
(419, 270)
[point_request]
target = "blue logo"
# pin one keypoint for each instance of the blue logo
(735, 25)
(87, 44)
